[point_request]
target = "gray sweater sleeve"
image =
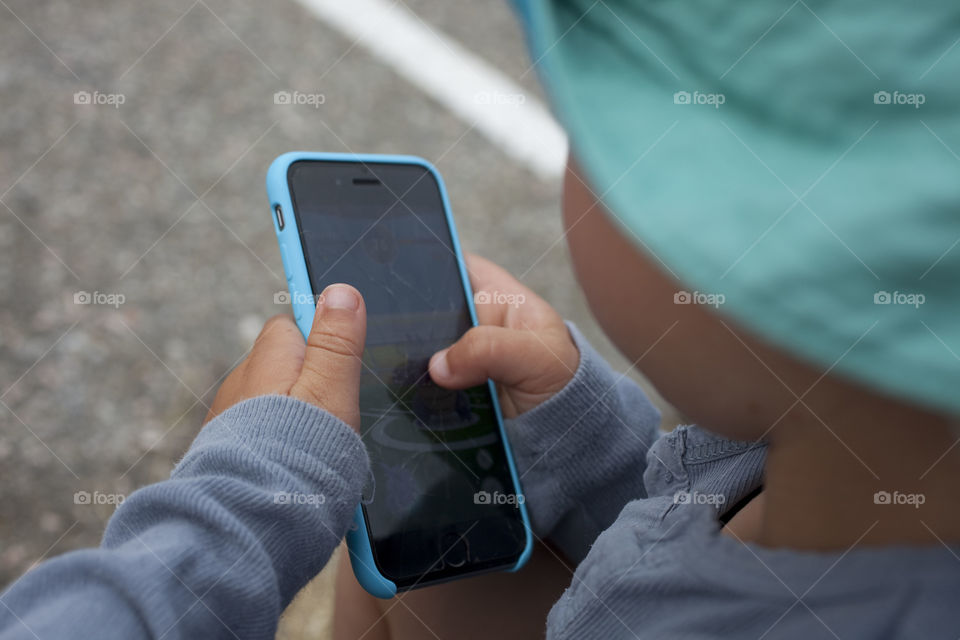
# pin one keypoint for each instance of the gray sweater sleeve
(252, 512)
(581, 455)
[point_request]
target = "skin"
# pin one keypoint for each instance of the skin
(829, 452)
(832, 443)
(324, 370)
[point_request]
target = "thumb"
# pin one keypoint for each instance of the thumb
(330, 377)
(509, 357)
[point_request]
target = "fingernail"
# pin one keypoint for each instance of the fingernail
(439, 367)
(340, 296)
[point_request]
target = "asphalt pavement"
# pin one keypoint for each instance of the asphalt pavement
(137, 259)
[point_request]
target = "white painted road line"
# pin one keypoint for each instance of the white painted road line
(474, 91)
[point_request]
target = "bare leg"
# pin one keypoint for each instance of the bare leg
(497, 605)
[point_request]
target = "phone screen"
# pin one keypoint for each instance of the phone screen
(443, 502)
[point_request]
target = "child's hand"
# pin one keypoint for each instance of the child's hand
(324, 370)
(521, 344)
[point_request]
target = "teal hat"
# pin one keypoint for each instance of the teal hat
(794, 164)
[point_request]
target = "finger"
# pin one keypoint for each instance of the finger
(508, 356)
(272, 366)
(496, 293)
(330, 377)
(274, 363)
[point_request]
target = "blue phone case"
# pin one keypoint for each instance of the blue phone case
(301, 297)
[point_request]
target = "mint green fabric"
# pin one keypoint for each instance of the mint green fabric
(799, 192)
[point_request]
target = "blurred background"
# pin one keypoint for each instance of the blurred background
(137, 258)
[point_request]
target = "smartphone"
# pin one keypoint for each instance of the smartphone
(445, 499)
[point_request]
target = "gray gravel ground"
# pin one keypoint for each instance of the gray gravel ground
(161, 200)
